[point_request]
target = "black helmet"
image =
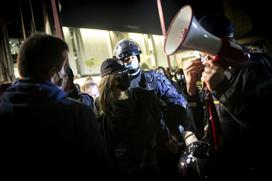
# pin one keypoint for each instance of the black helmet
(125, 48)
(218, 25)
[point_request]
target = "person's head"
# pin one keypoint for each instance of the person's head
(179, 74)
(218, 25)
(128, 51)
(90, 87)
(114, 80)
(92, 90)
(41, 56)
(111, 68)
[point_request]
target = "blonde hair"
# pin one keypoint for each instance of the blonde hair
(108, 94)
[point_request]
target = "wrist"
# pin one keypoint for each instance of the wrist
(191, 90)
(189, 137)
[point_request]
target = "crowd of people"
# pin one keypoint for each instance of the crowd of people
(135, 122)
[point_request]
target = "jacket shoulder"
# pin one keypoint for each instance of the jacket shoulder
(153, 75)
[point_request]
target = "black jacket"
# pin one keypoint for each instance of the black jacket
(44, 131)
(243, 116)
(172, 102)
(133, 132)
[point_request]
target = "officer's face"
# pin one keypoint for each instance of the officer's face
(130, 62)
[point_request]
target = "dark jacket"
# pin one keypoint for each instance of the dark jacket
(172, 102)
(243, 116)
(84, 98)
(152, 80)
(134, 131)
(44, 131)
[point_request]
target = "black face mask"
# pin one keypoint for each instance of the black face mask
(123, 81)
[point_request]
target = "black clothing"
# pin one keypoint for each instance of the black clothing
(173, 106)
(152, 80)
(84, 98)
(172, 102)
(110, 66)
(243, 116)
(42, 131)
(133, 132)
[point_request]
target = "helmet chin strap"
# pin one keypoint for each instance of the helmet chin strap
(134, 72)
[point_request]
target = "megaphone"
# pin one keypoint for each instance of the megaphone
(185, 33)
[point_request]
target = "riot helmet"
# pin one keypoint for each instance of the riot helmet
(128, 51)
(218, 25)
(125, 48)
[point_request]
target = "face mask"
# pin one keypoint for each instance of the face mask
(123, 81)
(134, 64)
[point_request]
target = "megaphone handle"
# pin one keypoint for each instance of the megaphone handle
(213, 121)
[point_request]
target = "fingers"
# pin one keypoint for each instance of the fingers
(192, 70)
(210, 71)
(193, 63)
(212, 75)
(206, 76)
(194, 67)
(211, 63)
(195, 70)
(212, 67)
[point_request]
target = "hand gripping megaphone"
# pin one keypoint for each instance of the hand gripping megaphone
(185, 33)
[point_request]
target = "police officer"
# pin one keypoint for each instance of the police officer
(128, 51)
(172, 102)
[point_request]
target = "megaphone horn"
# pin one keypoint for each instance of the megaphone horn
(185, 33)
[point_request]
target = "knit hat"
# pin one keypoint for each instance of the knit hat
(110, 66)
